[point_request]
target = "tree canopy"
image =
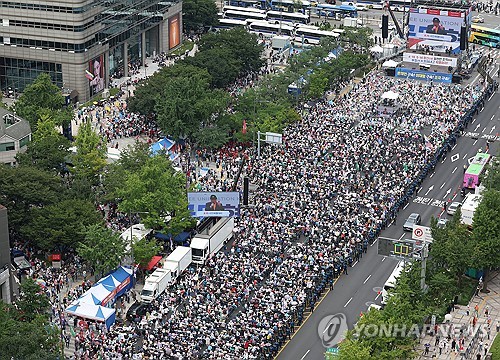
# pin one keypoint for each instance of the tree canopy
(198, 15)
(42, 98)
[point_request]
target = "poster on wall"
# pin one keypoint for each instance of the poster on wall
(95, 75)
(174, 31)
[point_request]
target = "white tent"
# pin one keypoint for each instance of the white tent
(377, 49)
(390, 95)
(390, 64)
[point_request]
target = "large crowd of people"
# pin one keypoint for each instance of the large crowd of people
(341, 176)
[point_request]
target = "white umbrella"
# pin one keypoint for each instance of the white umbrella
(377, 49)
(390, 64)
(390, 95)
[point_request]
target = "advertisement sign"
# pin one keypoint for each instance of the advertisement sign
(423, 75)
(429, 59)
(174, 31)
(439, 29)
(95, 75)
(214, 204)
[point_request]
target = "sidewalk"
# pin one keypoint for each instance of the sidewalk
(490, 301)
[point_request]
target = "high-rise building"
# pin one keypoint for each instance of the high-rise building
(82, 43)
(5, 288)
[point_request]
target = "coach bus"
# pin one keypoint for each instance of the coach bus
(244, 15)
(244, 3)
(296, 18)
(285, 5)
(372, 4)
(485, 36)
(390, 284)
(307, 35)
(475, 170)
(243, 9)
(265, 28)
(336, 11)
(230, 23)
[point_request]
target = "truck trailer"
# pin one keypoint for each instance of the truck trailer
(155, 285)
(211, 240)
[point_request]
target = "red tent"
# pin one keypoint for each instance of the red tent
(154, 261)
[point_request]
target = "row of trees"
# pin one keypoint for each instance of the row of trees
(454, 250)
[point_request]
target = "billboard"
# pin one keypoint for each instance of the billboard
(95, 75)
(429, 59)
(214, 204)
(423, 75)
(174, 31)
(439, 29)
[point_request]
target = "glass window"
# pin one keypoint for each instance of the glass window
(7, 147)
(24, 141)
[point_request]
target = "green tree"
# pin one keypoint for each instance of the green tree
(42, 98)
(198, 15)
(158, 192)
(90, 157)
(143, 250)
(318, 84)
(486, 234)
(48, 148)
(361, 36)
(352, 349)
(59, 225)
(32, 301)
(101, 248)
(28, 340)
(25, 189)
(223, 73)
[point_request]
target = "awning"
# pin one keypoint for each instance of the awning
(154, 261)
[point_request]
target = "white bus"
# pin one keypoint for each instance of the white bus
(269, 29)
(391, 281)
(243, 9)
(296, 18)
(307, 35)
(230, 23)
(244, 15)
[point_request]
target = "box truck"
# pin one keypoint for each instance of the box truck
(155, 285)
(211, 240)
(469, 207)
(178, 261)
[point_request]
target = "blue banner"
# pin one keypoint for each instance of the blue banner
(423, 75)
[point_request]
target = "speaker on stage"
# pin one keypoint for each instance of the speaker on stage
(463, 38)
(385, 26)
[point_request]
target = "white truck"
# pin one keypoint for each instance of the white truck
(281, 42)
(469, 206)
(211, 240)
(178, 261)
(155, 285)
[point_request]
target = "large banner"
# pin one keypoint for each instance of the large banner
(422, 75)
(439, 29)
(174, 31)
(214, 204)
(95, 75)
(429, 59)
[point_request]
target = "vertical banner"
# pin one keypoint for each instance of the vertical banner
(95, 74)
(174, 31)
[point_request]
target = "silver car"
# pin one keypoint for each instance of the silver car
(413, 219)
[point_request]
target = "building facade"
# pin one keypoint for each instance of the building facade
(15, 134)
(82, 43)
(5, 288)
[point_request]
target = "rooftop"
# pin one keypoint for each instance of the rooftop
(13, 126)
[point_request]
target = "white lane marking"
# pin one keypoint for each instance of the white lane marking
(402, 236)
(455, 169)
(307, 352)
(383, 259)
(473, 121)
(404, 208)
(474, 142)
(353, 265)
(347, 303)
(492, 116)
(454, 146)
(442, 162)
(477, 127)
(492, 129)
(442, 186)
(490, 97)
(454, 196)
(376, 297)
(464, 156)
(368, 278)
(375, 241)
(434, 173)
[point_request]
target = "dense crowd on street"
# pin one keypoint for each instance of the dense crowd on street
(341, 176)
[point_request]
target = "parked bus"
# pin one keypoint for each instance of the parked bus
(243, 9)
(391, 281)
(244, 15)
(285, 5)
(336, 11)
(307, 35)
(269, 29)
(372, 4)
(244, 3)
(230, 23)
(475, 169)
(296, 18)
(485, 36)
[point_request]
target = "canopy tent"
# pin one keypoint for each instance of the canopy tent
(164, 145)
(391, 95)
(377, 49)
(154, 261)
(109, 282)
(390, 64)
(180, 238)
(93, 312)
(125, 276)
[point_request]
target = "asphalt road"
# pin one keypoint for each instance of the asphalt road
(353, 293)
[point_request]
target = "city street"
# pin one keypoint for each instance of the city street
(353, 293)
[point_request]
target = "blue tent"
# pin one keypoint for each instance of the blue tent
(125, 277)
(179, 239)
(164, 145)
(93, 312)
